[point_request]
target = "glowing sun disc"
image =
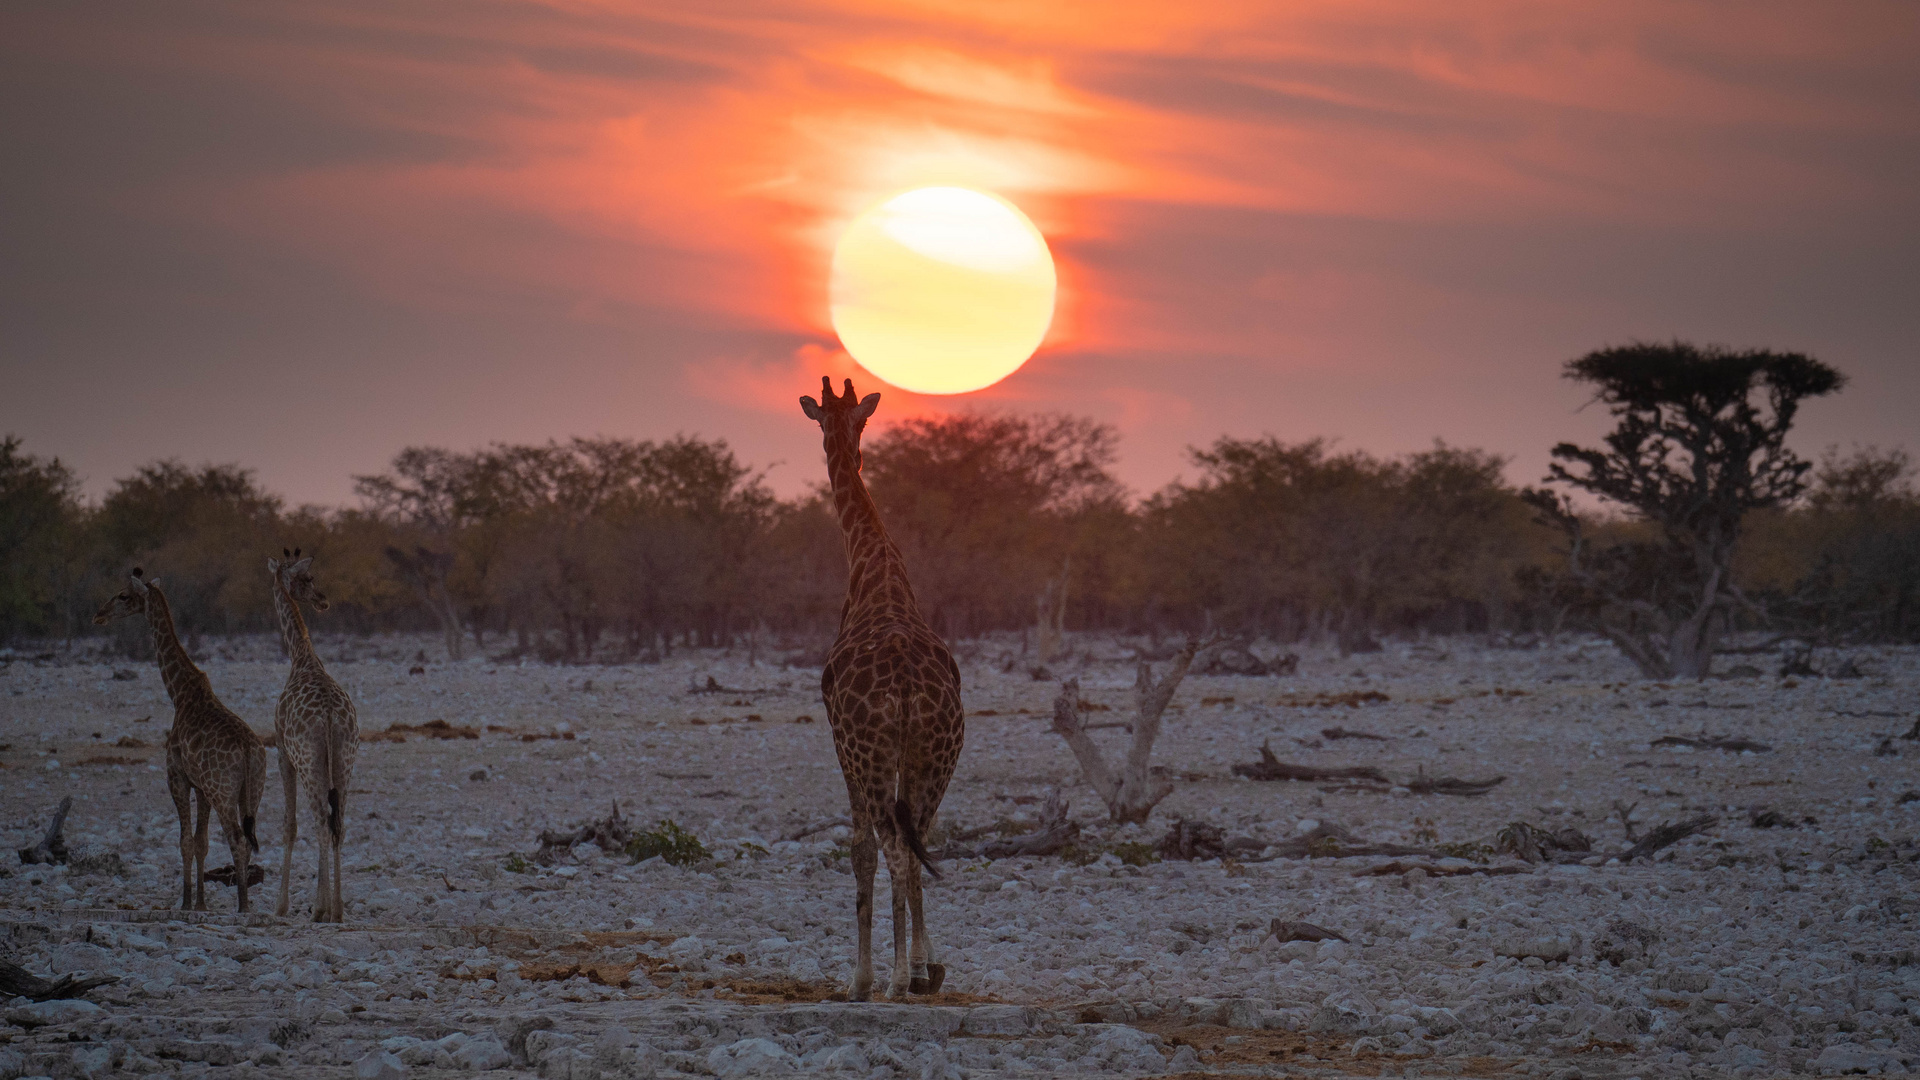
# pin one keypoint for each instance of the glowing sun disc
(942, 290)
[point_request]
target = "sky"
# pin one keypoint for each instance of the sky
(302, 236)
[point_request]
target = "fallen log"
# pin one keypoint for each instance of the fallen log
(610, 833)
(225, 875)
(1668, 835)
(1287, 931)
(1448, 785)
(1053, 833)
(1397, 867)
(1272, 768)
(52, 847)
(1731, 745)
(1343, 733)
(1189, 841)
(16, 981)
(1534, 844)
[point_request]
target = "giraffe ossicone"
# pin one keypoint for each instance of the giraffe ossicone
(892, 693)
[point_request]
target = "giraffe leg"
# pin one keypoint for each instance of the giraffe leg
(866, 861)
(183, 802)
(902, 868)
(289, 830)
(322, 838)
(927, 975)
(201, 809)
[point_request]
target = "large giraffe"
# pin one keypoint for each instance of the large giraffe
(318, 734)
(211, 753)
(892, 693)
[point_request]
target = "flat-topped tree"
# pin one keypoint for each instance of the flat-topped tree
(1700, 440)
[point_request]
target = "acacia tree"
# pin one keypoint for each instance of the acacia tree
(1699, 441)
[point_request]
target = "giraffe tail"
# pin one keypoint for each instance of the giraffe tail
(902, 808)
(250, 783)
(903, 820)
(331, 767)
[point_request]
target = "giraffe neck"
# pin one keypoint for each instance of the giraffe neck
(293, 628)
(877, 576)
(184, 680)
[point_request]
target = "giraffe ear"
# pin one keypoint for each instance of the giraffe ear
(301, 565)
(273, 564)
(811, 408)
(139, 587)
(866, 406)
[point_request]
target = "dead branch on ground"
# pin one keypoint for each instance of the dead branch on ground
(1668, 835)
(225, 874)
(1448, 785)
(1534, 844)
(52, 847)
(1343, 733)
(816, 827)
(1287, 931)
(1722, 742)
(16, 981)
(610, 833)
(1397, 867)
(1053, 833)
(1272, 768)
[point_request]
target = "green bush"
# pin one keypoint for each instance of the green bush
(670, 842)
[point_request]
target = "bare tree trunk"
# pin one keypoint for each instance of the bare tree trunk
(1051, 625)
(1129, 792)
(427, 572)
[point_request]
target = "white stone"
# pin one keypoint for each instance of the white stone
(379, 1065)
(751, 1057)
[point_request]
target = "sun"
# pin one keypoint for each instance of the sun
(942, 290)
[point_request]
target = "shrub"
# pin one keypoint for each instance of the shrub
(670, 842)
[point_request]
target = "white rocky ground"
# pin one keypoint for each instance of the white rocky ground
(1757, 951)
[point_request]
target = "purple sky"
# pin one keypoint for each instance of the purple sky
(301, 237)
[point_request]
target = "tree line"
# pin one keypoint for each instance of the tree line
(594, 550)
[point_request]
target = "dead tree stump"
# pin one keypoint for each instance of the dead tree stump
(52, 847)
(1129, 791)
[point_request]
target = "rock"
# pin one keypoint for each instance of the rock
(1551, 950)
(1684, 982)
(1183, 1060)
(379, 1065)
(1003, 1020)
(1117, 1048)
(50, 1013)
(1437, 1021)
(1343, 1012)
(79, 956)
(848, 1059)
(751, 1058)
(481, 1053)
(569, 1063)
(1852, 1058)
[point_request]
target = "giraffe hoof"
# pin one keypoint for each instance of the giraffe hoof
(929, 983)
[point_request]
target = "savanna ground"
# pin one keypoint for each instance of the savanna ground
(1744, 950)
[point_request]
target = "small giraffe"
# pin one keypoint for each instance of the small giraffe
(318, 734)
(211, 753)
(892, 693)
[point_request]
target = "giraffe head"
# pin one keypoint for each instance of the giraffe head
(841, 419)
(296, 576)
(131, 600)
